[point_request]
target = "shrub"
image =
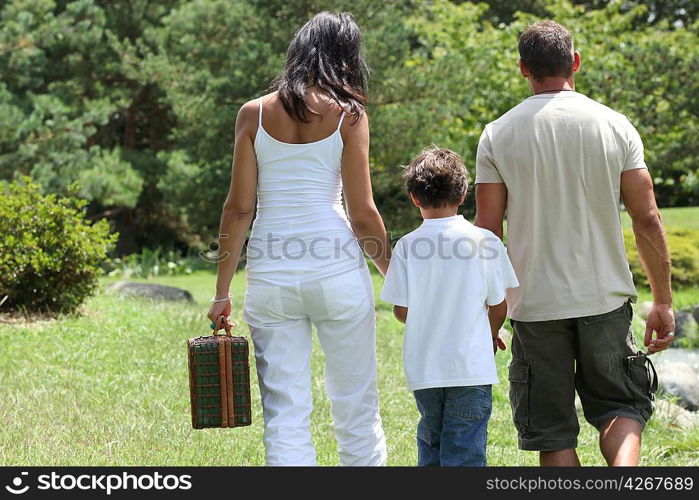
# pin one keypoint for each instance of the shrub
(690, 336)
(684, 251)
(152, 263)
(50, 254)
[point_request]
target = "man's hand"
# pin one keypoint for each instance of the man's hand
(661, 320)
(498, 343)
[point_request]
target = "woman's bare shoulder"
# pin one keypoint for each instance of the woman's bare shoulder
(252, 107)
(248, 114)
(355, 127)
(356, 122)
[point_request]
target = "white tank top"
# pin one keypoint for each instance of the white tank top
(301, 227)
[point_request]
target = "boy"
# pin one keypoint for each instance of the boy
(447, 281)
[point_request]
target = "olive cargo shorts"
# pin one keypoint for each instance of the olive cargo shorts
(595, 355)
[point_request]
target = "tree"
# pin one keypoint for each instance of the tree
(137, 100)
(76, 108)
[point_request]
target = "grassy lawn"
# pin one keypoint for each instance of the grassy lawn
(687, 217)
(110, 387)
(680, 217)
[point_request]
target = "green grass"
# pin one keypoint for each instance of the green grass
(680, 217)
(110, 387)
(684, 298)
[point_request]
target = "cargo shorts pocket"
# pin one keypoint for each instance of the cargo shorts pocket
(346, 296)
(519, 377)
(642, 382)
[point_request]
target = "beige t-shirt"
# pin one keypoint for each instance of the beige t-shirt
(561, 157)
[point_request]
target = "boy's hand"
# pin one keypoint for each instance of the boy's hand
(401, 313)
(498, 343)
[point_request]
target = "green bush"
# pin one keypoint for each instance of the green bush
(50, 254)
(684, 251)
(152, 263)
(690, 337)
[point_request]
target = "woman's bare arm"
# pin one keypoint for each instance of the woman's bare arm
(239, 207)
(362, 212)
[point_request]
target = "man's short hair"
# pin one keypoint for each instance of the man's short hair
(546, 48)
(437, 177)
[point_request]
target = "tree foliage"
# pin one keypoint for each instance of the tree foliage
(136, 100)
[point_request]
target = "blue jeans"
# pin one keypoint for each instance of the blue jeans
(453, 425)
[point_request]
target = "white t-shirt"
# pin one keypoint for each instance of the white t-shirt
(445, 272)
(561, 157)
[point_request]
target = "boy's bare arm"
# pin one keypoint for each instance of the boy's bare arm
(496, 317)
(401, 313)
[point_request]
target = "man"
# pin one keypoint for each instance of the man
(559, 162)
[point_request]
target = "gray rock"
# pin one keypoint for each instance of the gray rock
(689, 356)
(695, 313)
(150, 291)
(678, 379)
(643, 309)
(685, 324)
(675, 415)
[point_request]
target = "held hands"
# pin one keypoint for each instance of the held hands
(661, 320)
(220, 315)
(498, 343)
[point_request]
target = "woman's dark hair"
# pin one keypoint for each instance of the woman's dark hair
(326, 52)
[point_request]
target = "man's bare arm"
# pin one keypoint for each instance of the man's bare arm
(491, 201)
(639, 199)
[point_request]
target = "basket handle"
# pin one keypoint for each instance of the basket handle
(226, 328)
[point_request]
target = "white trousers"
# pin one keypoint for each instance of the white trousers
(280, 314)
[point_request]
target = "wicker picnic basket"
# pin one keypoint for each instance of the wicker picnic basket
(219, 381)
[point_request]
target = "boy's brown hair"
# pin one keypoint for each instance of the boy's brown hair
(437, 177)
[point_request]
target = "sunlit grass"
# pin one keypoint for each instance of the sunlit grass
(677, 217)
(110, 387)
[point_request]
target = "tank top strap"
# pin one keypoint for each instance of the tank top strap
(342, 117)
(259, 122)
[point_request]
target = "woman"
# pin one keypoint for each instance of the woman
(296, 151)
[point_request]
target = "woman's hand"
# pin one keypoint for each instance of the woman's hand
(220, 315)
